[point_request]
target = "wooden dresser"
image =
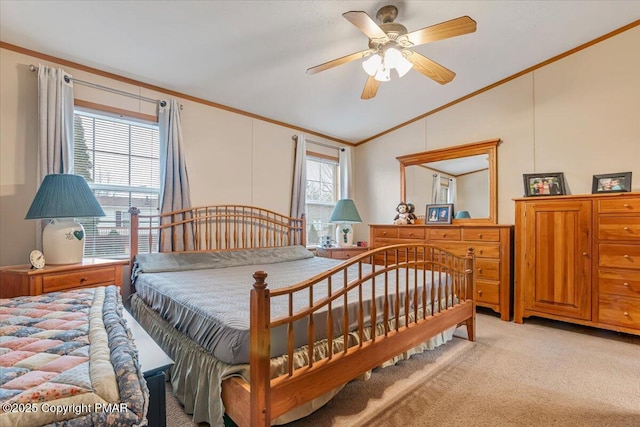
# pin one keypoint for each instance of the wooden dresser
(20, 280)
(492, 245)
(578, 260)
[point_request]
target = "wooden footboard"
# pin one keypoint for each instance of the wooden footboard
(437, 294)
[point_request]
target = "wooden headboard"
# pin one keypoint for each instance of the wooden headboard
(213, 228)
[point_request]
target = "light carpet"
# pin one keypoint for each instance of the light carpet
(541, 373)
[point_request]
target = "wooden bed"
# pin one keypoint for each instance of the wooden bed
(405, 323)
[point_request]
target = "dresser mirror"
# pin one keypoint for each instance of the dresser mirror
(467, 173)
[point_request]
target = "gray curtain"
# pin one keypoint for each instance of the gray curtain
(298, 193)
(174, 180)
(55, 127)
(346, 175)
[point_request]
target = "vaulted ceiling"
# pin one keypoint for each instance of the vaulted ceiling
(252, 55)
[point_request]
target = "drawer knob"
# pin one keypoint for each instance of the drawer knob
(480, 251)
(384, 233)
(626, 205)
(625, 228)
(584, 254)
(83, 279)
(479, 270)
(410, 234)
(480, 236)
(480, 293)
(625, 284)
(626, 313)
(444, 234)
(626, 256)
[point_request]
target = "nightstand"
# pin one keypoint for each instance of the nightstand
(22, 280)
(340, 252)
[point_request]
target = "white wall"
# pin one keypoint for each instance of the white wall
(579, 115)
(231, 158)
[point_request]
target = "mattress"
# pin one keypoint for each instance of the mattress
(211, 305)
(68, 357)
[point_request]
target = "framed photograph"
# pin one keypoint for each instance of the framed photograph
(439, 214)
(544, 184)
(611, 182)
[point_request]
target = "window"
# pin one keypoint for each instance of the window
(321, 197)
(119, 158)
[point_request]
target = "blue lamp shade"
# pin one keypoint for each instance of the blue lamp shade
(345, 214)
(462, 214)
(61, 198)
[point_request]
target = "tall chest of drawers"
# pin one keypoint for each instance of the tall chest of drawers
(578, 260)
(492, 246)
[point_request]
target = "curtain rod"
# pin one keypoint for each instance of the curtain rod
(295, 138)
(108, 89)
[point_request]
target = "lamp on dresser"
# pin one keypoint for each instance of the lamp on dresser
(62, 198)
(345, 214)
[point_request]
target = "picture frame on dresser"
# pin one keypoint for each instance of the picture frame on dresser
(439, 213)
(611, 183)
(544, 184)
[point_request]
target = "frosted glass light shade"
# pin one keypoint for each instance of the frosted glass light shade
(383, 75)
(372, 64)
(403, 66)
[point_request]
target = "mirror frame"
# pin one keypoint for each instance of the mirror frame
(489, 147)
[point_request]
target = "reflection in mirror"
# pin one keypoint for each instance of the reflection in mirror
(463, 175)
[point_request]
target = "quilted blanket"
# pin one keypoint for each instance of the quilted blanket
(67, 358)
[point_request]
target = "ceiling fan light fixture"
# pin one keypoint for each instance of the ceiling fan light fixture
(383, 74)
(372, 64)
(403, 66)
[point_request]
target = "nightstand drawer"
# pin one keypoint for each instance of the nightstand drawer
(56, 282)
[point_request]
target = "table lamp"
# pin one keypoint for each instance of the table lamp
(61, 198)
(345, 214)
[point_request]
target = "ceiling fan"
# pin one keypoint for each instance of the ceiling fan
(390, 48)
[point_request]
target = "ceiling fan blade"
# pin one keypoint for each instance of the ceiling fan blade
(339, 61)
(365, 24)
(370, 88)
(444, 30)
(431, 69)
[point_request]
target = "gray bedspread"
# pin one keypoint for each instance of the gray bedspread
(211, 305)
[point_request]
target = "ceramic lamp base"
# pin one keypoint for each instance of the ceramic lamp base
(63, 242)
(344, 235)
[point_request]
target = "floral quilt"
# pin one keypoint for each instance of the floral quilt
(68, 359)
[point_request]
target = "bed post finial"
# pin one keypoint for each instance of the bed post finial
(133, 238)
(259, 351)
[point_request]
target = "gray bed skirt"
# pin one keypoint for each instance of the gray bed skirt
(196, 376)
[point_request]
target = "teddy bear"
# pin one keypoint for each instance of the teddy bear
(405, 215)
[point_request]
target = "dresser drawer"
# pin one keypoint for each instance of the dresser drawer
(622, 256)
(619, 205)
(487, 292)
(386, 232)
(487, 269)
(481, 250)
(56, 282)
(619, 311)
(444, 234)
(618, 282)
(411, 233)
(481, 234)
(619, 228)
